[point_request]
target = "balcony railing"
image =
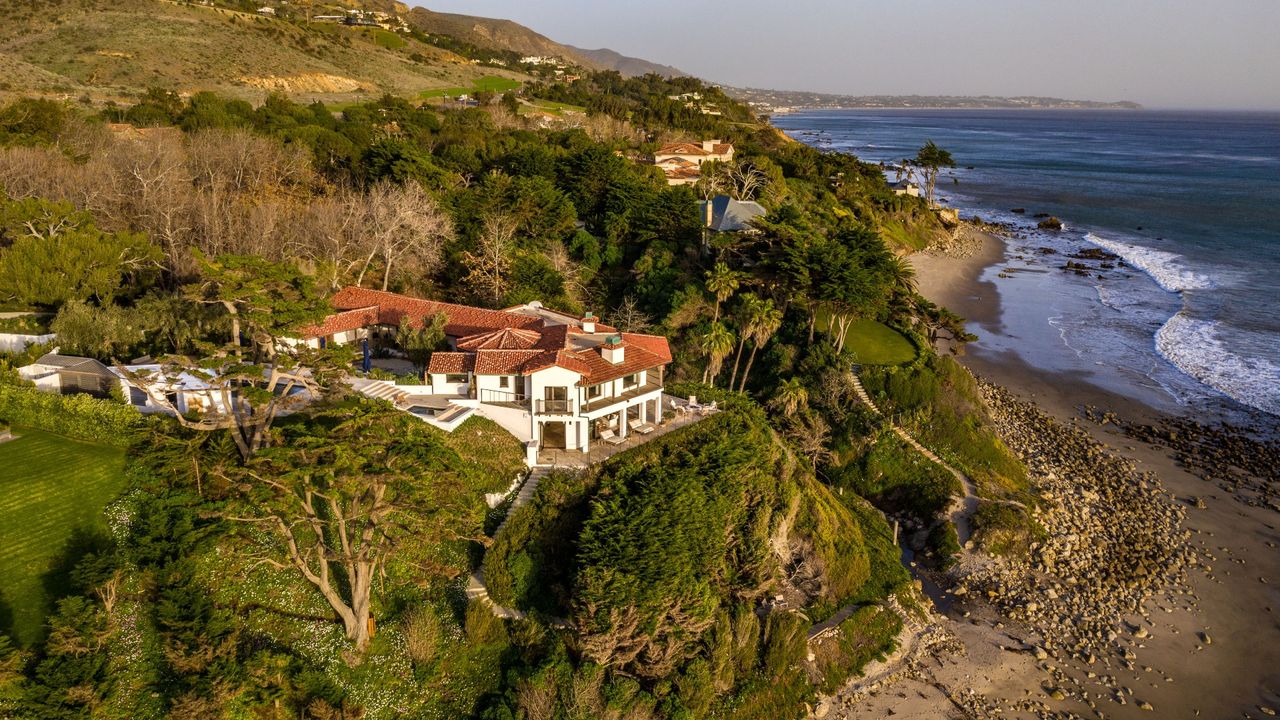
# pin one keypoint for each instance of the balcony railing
(504, 398)
(629, 393)
(553, 407)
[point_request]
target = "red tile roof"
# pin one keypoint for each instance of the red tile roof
(635, 359)
(694, 149)
(504, 362)
(655, 344)
(463, 319)
(344, 321)
(681, 149)
(497, 342)
(504, 339)
(451, 363)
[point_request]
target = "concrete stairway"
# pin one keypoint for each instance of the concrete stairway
(379, 390)
(476, 589)
(963, 507)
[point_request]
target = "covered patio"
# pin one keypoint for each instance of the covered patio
(601, 450)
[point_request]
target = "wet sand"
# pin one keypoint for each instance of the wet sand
(1234, 592)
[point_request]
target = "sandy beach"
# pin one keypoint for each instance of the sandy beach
(1208, 649)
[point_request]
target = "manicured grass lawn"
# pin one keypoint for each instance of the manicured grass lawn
(878, 344)
(874, 342)
(49, 486)
(555, 108)
(492, 83)
(387, 39)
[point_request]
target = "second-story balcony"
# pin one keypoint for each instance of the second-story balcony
(628, 394)
(553, 407)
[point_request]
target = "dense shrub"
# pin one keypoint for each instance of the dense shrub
(938, 400)
(75, 416)
(1004, 529)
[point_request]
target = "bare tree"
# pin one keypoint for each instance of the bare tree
(331, 235)
(745, 179)
(155, 190)
(491, 263)
(628, 317)
(406, 226)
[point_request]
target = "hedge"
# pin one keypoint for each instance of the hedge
(75, 416)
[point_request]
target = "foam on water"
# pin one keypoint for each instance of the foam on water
(1195, 347)
(1166, 268)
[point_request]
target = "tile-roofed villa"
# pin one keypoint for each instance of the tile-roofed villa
(680, 162)
(556, 380)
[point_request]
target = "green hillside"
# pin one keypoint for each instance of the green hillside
(111, 49)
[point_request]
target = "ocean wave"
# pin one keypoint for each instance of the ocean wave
(1195, 348)
(1166, 268)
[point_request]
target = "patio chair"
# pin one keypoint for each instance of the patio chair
(611, 437)
(640, 426)
(707, 409)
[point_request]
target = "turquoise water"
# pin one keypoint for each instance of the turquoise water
(1191, 201)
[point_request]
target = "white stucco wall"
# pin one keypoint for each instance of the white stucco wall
(13, 342)
(554, 377)
(441, 387)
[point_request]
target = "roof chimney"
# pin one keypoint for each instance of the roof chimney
(612, 350)
(589, 322)
(709, 145)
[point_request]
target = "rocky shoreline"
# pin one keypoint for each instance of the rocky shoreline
(1115, 540)
(1232, 459)
(1077, 608)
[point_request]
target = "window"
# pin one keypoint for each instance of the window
(455, 379)
(594, 392)
(631, 380)
(504, 382)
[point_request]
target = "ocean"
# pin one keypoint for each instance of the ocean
(1189, 322)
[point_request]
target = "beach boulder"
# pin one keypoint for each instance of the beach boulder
(1050, 223)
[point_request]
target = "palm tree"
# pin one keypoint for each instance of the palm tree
(765, 321)
(716, 345)
(903, 274)
(791, 396)
(745, 311)
(722, 282)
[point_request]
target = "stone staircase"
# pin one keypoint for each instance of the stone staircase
(476, 589)
(379, 390)
(962, 508)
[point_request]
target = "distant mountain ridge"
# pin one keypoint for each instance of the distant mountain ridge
(494, 34)
(628, 66)
(803, 99)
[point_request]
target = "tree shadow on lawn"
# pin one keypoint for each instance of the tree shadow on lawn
(86, 560)
(6, 617)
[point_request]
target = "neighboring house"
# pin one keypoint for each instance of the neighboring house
(696, 153)
(185, 391)
(679, 171)
(724, 214)
(680, 162)
(69, 374)
(569, 380)
(904, 187)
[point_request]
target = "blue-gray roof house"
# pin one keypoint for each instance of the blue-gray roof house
(724, 214)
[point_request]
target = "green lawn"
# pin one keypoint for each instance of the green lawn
(874, 342)
(550, 106)
(493, 83)
(49, 487)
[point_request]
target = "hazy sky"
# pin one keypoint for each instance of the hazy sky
(1162, 53)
